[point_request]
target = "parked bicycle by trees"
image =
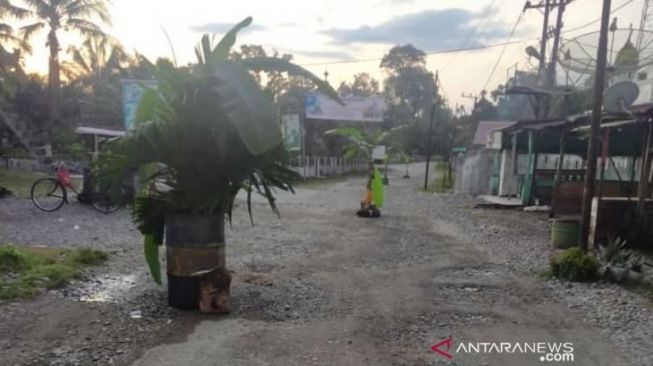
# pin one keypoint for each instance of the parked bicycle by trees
(49, 194)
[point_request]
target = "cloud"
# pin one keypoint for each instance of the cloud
(217, 27)
(428, 30)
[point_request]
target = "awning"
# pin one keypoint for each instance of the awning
(611, 124)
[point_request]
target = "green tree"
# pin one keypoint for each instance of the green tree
(404, 57)
(94, 60)
(411, 91)
(69, 15)
(11, 50)
(363, 86)
(7, 36)
(94, 77)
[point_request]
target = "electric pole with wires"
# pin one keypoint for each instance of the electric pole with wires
(547, 71)
(592, 148)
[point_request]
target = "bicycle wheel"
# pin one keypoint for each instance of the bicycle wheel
(48, 194)
(104, 202)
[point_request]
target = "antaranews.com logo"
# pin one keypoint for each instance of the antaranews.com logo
(544, 351)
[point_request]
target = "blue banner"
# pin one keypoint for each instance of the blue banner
(132, 90)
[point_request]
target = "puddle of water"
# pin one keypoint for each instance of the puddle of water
(107, 288)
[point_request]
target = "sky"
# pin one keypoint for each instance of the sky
(345, 37)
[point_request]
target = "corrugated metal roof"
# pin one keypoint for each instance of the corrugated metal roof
(485, 128)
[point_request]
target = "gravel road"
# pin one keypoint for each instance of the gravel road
(323, 287)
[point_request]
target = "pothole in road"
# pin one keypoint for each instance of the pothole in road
(287, 300)
(103, 288)
(420, 331)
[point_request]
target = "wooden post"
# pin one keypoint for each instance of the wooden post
(514, 153)
(558, 176)
(530, 172)
(428, 149)
(633, 166)
(599, 84)
(645, 171)
(604, 155)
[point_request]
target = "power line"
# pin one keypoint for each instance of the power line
(599, 19)
(464, 49)
(428, 53)
(474, 30)
(503, 51)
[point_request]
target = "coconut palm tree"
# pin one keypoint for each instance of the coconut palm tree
(94, 60)
(96, 69)
(69, 15)
(11, 51)
(7, 36)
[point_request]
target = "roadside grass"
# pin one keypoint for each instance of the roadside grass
(26, 271)
(18, 181)
(438, 184)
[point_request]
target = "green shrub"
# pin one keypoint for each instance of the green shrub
(11, 260)
(575, 265)
(50, 276)
(26, 271)
(89, 257)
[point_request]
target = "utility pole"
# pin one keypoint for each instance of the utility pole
(556, 42)
(547, 72)
(471, 96)
(430, 138)
(428, 149)
(599, 81)
(545, 36)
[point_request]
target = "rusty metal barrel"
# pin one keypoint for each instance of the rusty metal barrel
(194, 244)
(565, 233)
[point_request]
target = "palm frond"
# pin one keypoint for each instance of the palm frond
(88, 9)
(39, 5)
(28, 31)
(85, 27)
(10, 9)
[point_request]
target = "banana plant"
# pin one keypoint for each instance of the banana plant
(211, 132)
(361, 143)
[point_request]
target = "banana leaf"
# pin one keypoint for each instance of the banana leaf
(152, 257)
(246, 107)
(221, 51)
(146, 106)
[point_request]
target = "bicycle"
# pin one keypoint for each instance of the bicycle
(49, 194)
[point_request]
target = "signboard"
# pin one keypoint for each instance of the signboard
(132, 90)
(357, 109)
(378, 153)
(292, 132)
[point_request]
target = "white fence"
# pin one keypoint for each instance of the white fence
(316, 166)
(324, 166)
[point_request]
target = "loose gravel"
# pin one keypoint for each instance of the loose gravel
(272, 284)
